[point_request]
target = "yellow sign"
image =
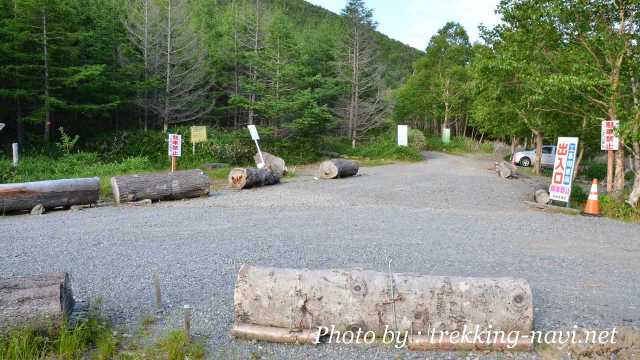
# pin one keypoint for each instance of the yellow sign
(198, 134)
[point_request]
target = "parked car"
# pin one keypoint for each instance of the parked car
(525, 158)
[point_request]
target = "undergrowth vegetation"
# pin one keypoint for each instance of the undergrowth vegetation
(93, 338)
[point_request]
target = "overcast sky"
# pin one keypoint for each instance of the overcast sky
(414, 21)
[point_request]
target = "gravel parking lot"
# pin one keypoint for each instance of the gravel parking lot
(447, 215)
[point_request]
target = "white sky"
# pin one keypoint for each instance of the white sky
(413, 22)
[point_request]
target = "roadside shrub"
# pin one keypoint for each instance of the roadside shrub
(618, 210)
(578, 195)
(417, 140)
(593, 170)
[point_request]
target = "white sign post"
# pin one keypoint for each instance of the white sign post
(403, 135)
(14, 147)
(254, 135)
(175, 149)
(563, 169)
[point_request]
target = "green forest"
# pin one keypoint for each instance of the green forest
(96, 84)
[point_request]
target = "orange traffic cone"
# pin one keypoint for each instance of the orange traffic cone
(593, 203)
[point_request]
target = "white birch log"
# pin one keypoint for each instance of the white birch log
(160, 186)
(338, 168)
(51, 194)
(360, 299)
(273, 163)
(36, 302)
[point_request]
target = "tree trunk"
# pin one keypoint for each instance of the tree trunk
(368, 300)
(272, 163)
(537, 163)
(241, 178)
(51, 194)
(338, 168)
(160, 186)
(618, 182)
(36, 302)
(45, 49)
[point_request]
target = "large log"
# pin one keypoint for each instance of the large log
(160, 186)
(246, 178)
(338, 168)
(51, 194)
(300, 300)
(273, 163)
(37, 302)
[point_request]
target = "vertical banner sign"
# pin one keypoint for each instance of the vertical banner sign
(609, 140)
(446, 135)
(563, 169)
(175, 149)
(14, 147)
(403, 135)
(255, 137)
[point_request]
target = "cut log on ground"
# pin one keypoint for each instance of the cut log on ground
(542, 196)
(506, 170)
(37, 302)
(51, 194)
(160, 186)
(298, 300)
(338, 168)
(272, 163)
(246, 178)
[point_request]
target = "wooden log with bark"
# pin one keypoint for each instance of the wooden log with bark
(37, 302)
(268, 299)
(338, 168)
(160, 186)
(51, 194)
(246, 178)
(273, 163)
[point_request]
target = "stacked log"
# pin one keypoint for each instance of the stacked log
(37, 302)
(50, 194)
(160, 186)
(338, 168)
(272, 163)
(246, 178)
(268, 300)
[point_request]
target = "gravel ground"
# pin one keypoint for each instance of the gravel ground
(447, 215)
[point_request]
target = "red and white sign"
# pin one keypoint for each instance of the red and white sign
(175, 145)
(609, 140)
(563, 169)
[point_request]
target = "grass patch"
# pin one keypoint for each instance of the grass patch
(618, 210)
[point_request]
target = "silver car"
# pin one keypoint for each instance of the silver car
(525, 158)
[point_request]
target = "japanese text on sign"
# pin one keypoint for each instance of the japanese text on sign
(563, 169)
(609, 140)
(198, 134)
(175, 145)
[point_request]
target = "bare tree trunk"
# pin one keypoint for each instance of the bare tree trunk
(146, 64)
(537, 163)
(165, 124)
(45, 49)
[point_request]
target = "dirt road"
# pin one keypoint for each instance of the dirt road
(447, 215)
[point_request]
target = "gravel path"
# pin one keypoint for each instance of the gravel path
(447, 215)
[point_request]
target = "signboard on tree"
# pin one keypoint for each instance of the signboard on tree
(403, 135)
(198, 134)
(609, 140)
(175, 145)
(446, 135)
(563, 169)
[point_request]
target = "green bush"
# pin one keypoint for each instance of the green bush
(618, 210)
(417, 140)
(578, 195)
(593, 170)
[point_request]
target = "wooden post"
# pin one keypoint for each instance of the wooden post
(156, 285)
(610, 159)
(14, 147)
(173, 163)
(187, 322)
